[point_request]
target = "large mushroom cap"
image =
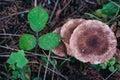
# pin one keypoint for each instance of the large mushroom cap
(93, 41)
(67, 29)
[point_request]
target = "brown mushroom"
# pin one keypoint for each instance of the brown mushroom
(66, 31)
(93, 41)
(60, 50)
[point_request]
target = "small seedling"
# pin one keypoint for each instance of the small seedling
(109, 10)
(110, 64)
(38, 18)
(52, 61)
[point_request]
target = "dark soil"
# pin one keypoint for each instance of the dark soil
(13, 20)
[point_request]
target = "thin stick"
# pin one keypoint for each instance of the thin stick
(115, 3)
(40, 65)
(66, 5)
(35, 3)
(58, 73)
(6, 75)
(33, 54)
(53, 11)
(6, 34)
(18, 13)
(111, 74)
(44, 78)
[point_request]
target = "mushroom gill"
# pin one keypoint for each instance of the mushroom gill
(93, 41)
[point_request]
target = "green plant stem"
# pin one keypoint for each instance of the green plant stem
(91, 15)
(37, 41)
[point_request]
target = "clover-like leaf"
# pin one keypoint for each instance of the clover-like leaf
(110, 8)
(17, 58)
(37, 18)
(111, 68)
(49, 41)
(112, 61)
(27, 42)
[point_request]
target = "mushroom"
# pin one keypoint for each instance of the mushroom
(60, 50)
(67, 29)
(86, 40)
(93, 41)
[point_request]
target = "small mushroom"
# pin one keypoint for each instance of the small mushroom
(60, 50)
(66, 31)
(93, 41)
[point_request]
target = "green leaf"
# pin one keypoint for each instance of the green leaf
(17, 58)
(99, 13)
(15, 74)
(111, 68)
(112, 61)
(49, 41)
(37, 18)
(104, 65)
(36, 78)
(109, 9)
(96, 67)
(119, 23)
(44, 60)
(27, 42)
(118, 66)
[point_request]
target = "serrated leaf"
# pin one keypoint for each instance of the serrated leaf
(110, 9)
(49, 41)
(17, 58)
(27, 42)
(37, 18)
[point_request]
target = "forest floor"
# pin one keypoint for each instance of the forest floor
(14, 23)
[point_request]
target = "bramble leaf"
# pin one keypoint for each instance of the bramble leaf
(17, 58)
(27, 42)
(49, 41)
(37, 18)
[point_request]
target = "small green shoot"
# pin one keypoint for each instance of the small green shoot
(37, 18)
(49, 41)
(110, 9)
(110, 64)
(17, 60)
(15, 74)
